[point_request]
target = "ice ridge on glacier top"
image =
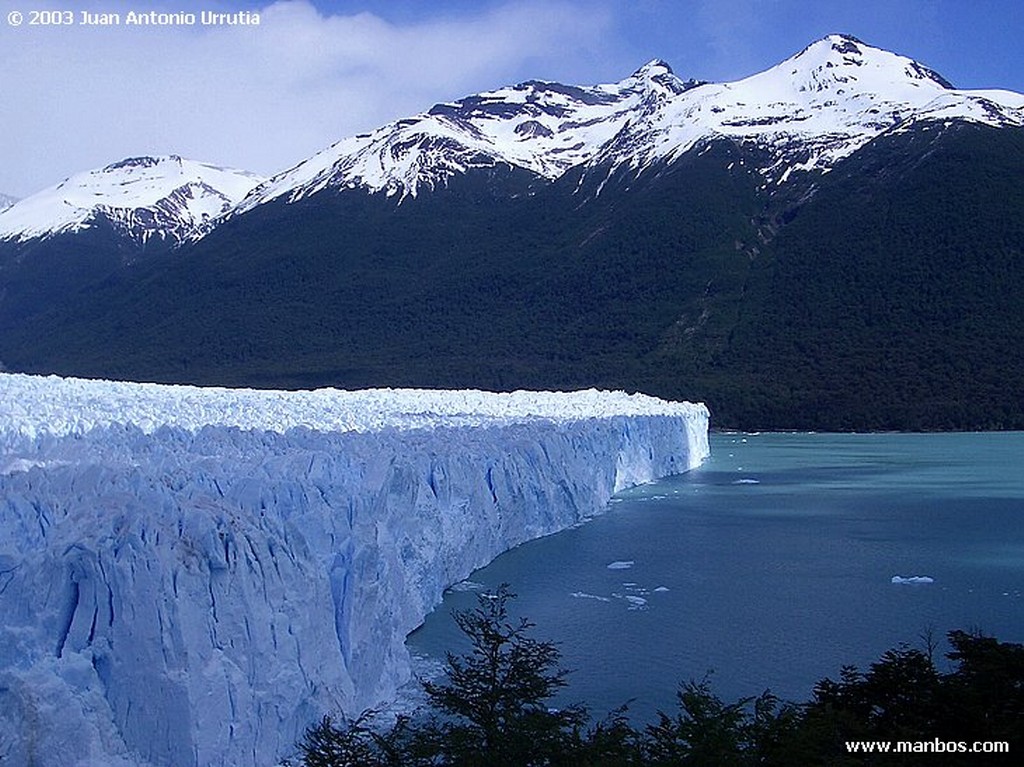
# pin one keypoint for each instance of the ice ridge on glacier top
(60, 406)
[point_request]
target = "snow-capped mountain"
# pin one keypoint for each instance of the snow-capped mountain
(144, 198)
(543, 127)
(6, 201)
(811, 110)
(808, 112)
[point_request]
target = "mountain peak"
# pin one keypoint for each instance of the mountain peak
(143, 162)
(849, 55)
(831, 45)
(657, 77)
(164, 196)
(807, 112)
(844, 43)
(653, 68)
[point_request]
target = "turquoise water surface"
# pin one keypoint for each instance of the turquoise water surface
(771, 566)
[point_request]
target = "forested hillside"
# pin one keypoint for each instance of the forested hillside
(881, 295)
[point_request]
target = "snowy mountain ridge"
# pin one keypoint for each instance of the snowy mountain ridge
(6, 201)
(810, 111)
(165, 198)
(807, 113)
(543, 127)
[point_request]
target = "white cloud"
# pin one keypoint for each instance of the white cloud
(259, 97)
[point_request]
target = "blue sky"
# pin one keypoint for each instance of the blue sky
(974, 43)
(315, 71)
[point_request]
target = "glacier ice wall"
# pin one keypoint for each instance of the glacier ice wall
(192, 577)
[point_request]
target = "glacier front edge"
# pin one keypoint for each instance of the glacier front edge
(192, 576)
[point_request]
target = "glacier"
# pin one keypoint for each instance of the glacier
(192, 576)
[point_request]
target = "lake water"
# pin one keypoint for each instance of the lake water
(771, 566)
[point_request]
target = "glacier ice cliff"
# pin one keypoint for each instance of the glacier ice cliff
(192, 576)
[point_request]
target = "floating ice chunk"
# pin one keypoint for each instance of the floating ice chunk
(585, 595)
(466, 585)
(660, 589)
(747, 481)
(912, 579)
(621, 564)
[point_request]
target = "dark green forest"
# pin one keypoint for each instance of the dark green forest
(493, 708)
(880, 295)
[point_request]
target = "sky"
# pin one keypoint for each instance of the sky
(262, 97)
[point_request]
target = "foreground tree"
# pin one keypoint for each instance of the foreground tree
(360, 742)
(492, 710)
(494, 701)
(708, 731)
(903, 697)
(986, 694)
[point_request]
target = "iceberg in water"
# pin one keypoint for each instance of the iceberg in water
(191, 576)
(913, 579)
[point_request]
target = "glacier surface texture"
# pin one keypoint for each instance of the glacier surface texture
(192, 576)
